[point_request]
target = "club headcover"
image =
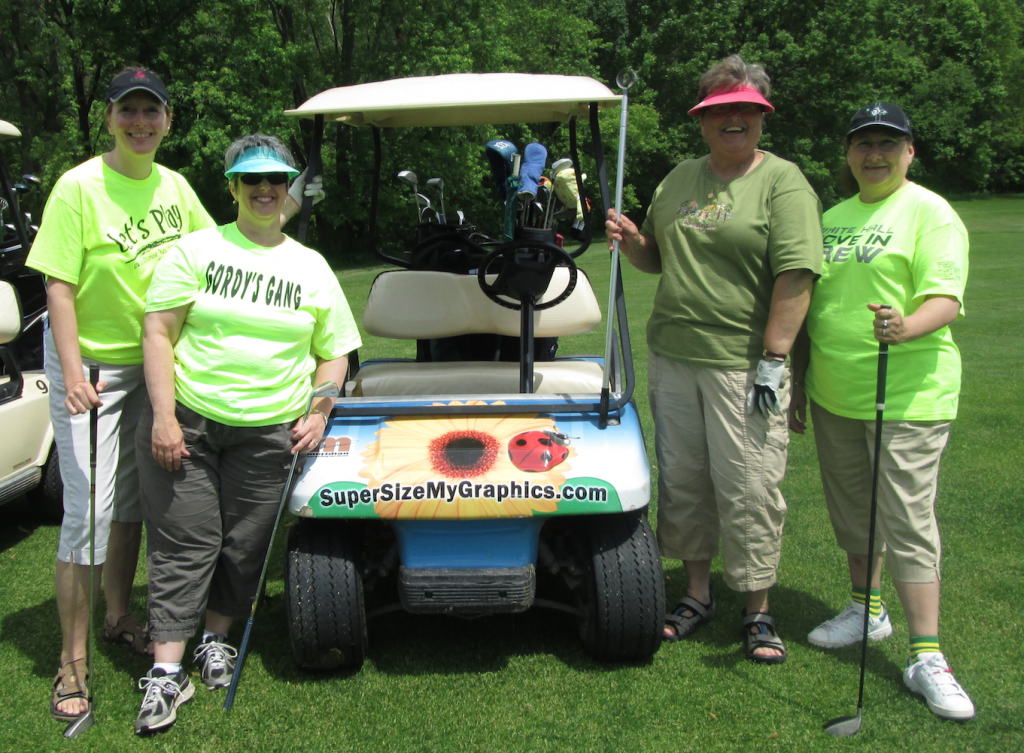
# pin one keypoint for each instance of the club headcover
(535, 158)
(499, 156)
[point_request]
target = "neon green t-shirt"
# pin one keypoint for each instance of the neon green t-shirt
(899, 250)
(259, 318)
(720, 258)
(105, 233)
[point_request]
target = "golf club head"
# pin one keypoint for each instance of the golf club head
(408, 176)
(437, 183)
(82, 724)
(844, 726)
(326, 389)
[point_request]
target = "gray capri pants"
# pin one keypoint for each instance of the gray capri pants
(208, 524)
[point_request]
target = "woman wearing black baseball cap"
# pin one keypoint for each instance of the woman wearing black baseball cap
(105, 226)
(894, 272)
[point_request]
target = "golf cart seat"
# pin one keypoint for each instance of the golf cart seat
(412, 305)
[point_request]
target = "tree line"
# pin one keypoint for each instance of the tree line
(234, 66)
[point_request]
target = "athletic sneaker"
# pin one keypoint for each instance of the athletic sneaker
(164, 693)
(931, 677)
(216, 663)
(847, 628)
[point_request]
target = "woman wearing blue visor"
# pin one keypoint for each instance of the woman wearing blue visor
(241, 322)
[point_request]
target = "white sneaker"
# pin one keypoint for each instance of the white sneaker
(931, 677)
(847, 628)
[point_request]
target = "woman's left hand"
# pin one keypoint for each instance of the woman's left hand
(889, 324)
(306, 434)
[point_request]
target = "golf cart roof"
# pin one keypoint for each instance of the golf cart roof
(8, 131)
(460, 99)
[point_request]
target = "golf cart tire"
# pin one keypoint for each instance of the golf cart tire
(49, 495)
(325, 608)
(624, 591)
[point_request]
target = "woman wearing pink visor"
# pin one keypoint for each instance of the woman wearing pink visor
(734, 236)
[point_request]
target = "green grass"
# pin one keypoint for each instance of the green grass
(523, 683)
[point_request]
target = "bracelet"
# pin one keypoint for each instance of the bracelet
(772, 356)
(322, 415)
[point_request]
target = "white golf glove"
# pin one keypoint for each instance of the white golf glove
(764, 395)
(300, 188)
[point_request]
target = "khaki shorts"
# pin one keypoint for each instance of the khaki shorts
(117, 478)
(719, 470)
(908, 478)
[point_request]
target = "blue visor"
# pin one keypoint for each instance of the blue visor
(260, 159)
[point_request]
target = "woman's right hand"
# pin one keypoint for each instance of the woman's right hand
(624, 231)
(798, 409)
(82, 398)
(168, 443)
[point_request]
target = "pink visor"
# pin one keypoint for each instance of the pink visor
(741, 93)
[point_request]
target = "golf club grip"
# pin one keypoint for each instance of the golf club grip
(229, 701)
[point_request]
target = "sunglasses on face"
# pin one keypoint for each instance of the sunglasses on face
(743, 108)
(254, 179)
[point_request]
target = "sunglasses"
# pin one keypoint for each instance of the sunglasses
(254, 179)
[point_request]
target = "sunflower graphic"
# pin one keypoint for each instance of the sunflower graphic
(426, 450)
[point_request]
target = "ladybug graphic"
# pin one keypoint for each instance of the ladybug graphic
(537, 451)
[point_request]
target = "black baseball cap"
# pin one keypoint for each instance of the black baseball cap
(137, 79)
(885, 114)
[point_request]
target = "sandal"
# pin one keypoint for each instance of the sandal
(759, 631)
(129, 631)
(679, 625)
(67, 686)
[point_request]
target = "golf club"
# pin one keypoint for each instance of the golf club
(626, 79)
(424, 203)
(410, 177)
(327, 389)
(438, 184)
(85, 721)
(845, 726)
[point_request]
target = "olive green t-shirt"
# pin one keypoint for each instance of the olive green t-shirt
(720, 257)
(104, 233)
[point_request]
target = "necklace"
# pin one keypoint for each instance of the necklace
(714, 187)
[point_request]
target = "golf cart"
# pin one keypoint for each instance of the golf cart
(462, 480)
(28, 456)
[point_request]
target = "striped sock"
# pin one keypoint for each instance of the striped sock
(923, 644)
(876, 600)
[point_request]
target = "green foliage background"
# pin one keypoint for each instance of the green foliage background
(234, 66)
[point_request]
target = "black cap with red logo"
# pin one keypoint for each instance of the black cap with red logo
(137, 79)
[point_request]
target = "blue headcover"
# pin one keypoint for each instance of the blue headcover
(535, 158)
(499, 156)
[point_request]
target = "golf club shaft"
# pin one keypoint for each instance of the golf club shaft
(883, 359)
(626, 79)
(243, 647)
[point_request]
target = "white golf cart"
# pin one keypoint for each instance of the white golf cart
(458, 482)
(28, 456)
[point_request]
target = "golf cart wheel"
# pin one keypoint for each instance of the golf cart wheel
(325, 608)
(623, 597)
(49, 495)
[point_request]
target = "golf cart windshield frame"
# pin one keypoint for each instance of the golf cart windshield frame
(358, 106)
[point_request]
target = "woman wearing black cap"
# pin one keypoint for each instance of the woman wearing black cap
(895, 268)
(734, 236)
(105, 226)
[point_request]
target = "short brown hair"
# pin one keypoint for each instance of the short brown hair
(730, 73)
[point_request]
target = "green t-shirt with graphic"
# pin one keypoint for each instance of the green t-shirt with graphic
(721, 250)
(258, 320)
(105, 233)
(899, 251)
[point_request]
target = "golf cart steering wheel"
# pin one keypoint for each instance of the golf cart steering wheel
(526, 271)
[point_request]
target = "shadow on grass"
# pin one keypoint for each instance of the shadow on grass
(35, 632)
(18, 519)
